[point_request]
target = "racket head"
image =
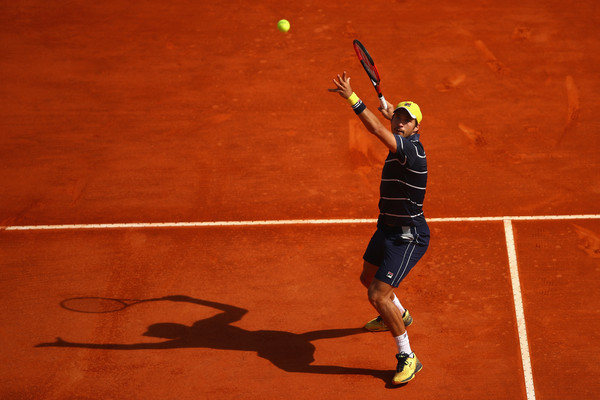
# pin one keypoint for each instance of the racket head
(94, 305)
(366, 61)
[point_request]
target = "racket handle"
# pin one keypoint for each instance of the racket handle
(383, 102)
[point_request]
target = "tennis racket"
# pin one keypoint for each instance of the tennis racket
(98, 305)
(369, 66)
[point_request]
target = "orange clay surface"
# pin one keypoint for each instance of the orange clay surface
(192, 111)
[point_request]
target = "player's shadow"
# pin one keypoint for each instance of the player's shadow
(289, 351)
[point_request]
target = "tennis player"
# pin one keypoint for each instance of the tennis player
(402, 234)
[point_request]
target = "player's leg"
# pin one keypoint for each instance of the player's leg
(380, 296)
(377, 324)
(400, 257)
(407, 362)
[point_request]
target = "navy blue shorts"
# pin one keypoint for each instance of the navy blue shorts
(394, 254)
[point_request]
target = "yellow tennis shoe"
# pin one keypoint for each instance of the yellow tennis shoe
(377, 324)
(408, 366)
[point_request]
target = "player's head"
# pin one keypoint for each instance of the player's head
(412, 108)
(166, 330)
(406, 119)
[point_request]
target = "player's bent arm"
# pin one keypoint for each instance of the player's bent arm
(374, 125)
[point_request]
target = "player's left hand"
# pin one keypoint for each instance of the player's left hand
(342, 84)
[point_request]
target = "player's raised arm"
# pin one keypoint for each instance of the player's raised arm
(369, 120)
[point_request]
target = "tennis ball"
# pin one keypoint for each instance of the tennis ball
(283, 25)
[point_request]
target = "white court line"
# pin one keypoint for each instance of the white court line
(283, 222)
(191, 224)
(520, 314)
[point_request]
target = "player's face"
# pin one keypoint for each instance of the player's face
(403, 124)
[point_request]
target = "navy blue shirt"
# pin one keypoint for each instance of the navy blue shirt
(403, 186)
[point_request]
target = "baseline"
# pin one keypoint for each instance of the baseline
(282, 222)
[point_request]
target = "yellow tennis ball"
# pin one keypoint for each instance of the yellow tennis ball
(283, 25)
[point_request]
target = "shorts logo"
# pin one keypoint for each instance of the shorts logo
(390, 275)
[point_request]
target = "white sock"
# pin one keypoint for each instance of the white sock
(403, 343)
(397, 304)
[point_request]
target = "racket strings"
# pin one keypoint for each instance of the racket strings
(93, 305)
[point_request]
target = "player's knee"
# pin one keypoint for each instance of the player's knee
(376, 296)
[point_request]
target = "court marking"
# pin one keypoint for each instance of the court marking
(282, 222)
(519, 311)
(508, 232)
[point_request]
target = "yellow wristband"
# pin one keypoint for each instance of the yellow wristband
(353, 99)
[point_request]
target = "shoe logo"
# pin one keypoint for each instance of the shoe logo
(390, 275)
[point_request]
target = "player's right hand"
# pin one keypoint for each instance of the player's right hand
(388, 113)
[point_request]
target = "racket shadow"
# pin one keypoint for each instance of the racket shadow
(288, 351)
(99, 305)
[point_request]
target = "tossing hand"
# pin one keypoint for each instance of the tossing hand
(342, 84)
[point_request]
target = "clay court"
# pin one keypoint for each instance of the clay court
(189, 154)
